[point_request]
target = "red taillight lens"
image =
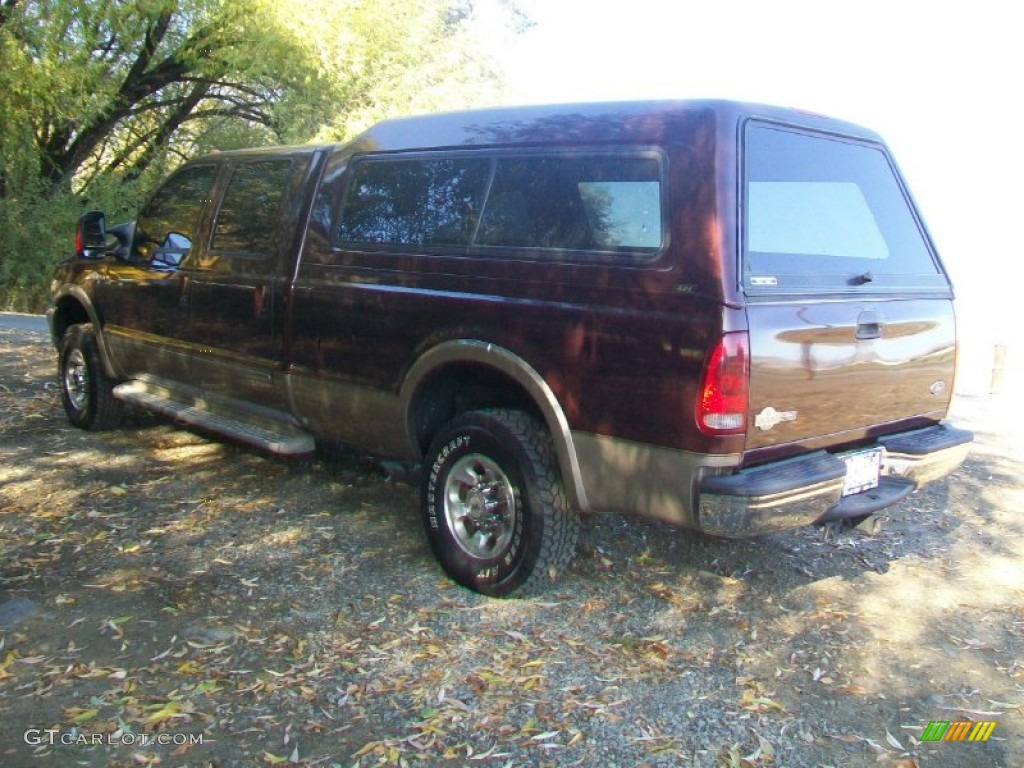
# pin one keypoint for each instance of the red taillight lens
(722, 399)
(79, 240)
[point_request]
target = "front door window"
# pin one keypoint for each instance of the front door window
(167, 225)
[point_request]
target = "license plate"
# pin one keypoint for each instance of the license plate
(862, 470)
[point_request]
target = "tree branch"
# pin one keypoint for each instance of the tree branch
(64, 154)
(155, 140)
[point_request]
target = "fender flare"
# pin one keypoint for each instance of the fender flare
(75, 292)
(517, 369)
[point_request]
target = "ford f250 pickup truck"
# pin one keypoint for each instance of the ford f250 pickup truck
(730, 317)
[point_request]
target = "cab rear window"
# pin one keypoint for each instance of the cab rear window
(822, 212)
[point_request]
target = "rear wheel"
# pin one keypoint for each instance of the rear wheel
(495, 510)
(85, 389)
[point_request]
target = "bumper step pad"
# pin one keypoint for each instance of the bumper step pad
(928, 440)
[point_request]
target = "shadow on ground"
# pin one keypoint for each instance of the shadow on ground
(159, 586)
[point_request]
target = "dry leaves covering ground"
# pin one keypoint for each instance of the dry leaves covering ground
(167, 599)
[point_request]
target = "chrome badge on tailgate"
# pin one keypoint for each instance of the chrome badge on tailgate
(769, 417)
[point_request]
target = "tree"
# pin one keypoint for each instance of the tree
(99, 98)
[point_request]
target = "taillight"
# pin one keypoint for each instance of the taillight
(79, 240)
(722, 399)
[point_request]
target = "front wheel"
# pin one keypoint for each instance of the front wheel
(495, 510)
(85, 389)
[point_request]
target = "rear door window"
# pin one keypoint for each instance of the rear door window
(249, 215)
(823, 212)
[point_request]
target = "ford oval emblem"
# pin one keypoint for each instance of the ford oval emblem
(937, 388)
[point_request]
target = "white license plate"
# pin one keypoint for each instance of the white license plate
(862, 470)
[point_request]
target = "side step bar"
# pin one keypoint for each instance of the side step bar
(264, 428)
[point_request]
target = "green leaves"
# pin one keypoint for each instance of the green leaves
(94, 95)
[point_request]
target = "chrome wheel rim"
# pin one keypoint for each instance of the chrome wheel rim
(479, 506)
(76, 380)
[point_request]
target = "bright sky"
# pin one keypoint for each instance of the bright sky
(940, 81)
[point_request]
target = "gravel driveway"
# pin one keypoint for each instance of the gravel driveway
(169, 599)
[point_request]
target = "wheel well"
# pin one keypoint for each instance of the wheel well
(461, 387)
(69, 311)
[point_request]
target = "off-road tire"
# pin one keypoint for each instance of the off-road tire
(85, 389)
(505, 459)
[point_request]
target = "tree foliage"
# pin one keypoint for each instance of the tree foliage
(98, 99)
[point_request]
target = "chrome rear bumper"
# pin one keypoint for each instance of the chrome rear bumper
(926, 454)
(808, 489)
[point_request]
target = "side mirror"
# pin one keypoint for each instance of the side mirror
(91, 235)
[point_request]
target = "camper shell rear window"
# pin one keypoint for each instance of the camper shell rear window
(580, 204)
(824, 212)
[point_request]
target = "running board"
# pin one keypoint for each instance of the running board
(271, 430)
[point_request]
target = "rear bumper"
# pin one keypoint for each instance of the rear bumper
(808, 489)
(925, 454)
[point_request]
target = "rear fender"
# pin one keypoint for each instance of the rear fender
(513, 366)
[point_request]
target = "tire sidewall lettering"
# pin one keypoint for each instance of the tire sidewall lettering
(433, 498)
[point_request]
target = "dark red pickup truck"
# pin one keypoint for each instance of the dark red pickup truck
(726, 316)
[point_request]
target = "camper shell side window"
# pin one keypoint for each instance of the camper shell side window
(578, 205)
